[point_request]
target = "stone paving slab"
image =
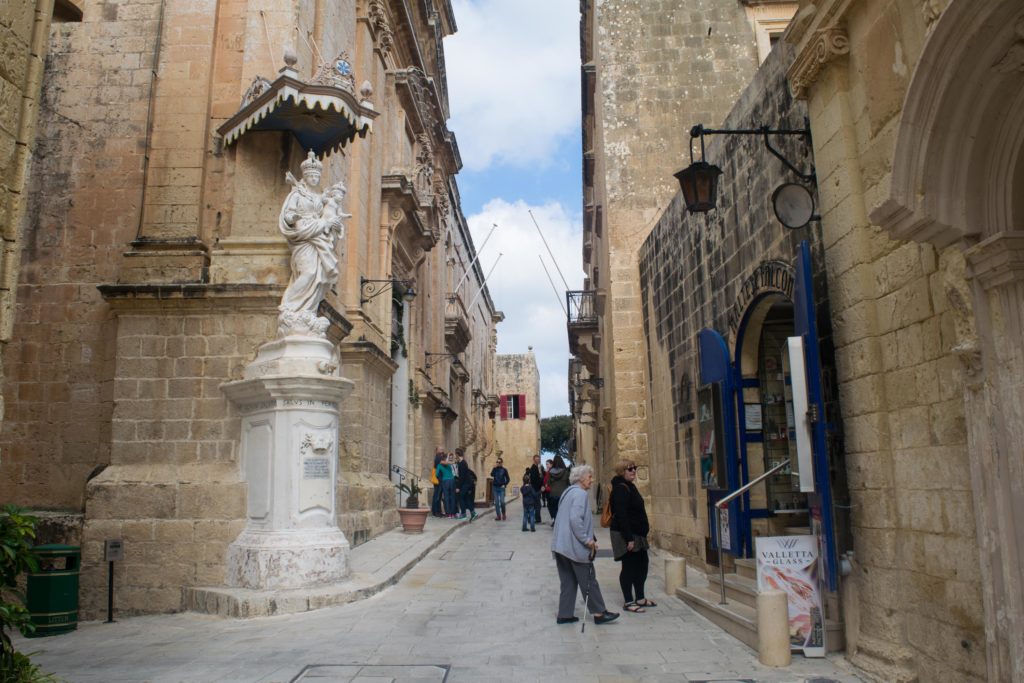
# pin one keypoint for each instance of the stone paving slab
(475, 620)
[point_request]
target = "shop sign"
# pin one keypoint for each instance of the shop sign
(790, 564)
(769, 276)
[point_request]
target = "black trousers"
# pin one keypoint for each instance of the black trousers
(633, 575)
(552, 505)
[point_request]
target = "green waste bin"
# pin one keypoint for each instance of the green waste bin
(52, 592)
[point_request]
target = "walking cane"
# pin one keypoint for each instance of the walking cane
(586, 594)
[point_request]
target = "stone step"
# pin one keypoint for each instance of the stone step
(735, 618)
(739, 619)
(739, 588)
(746, 567)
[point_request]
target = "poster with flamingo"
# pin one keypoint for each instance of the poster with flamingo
(790, 564)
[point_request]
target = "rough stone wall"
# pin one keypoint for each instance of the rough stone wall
(692, 269)
(174, 493)
(900, 312)
(83, 209)
(518, 440)
(365, 497)
(661, 67)
(914, 600)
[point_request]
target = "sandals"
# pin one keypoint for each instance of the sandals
(644, 602)
(633, 607)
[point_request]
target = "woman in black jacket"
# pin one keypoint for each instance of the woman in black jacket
(629, 529)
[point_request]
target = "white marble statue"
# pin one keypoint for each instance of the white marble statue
(312, 224)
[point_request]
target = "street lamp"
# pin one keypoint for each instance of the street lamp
(370, 289)
(699, 180)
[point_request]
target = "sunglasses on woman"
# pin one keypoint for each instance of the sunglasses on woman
(631, 468)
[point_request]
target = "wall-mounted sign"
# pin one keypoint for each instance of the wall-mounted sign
(752, 417)
(724, 537)
(790, 564)
(113, 550)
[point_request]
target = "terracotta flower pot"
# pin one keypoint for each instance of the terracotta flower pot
(413, 519)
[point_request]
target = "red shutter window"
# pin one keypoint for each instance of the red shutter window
(504, 407)
(522, 406)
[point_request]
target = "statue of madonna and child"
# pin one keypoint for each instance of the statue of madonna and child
(312, 224)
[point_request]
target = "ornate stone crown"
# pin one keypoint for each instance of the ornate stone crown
(311, 164)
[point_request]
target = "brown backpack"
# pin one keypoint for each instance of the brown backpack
(606, 512)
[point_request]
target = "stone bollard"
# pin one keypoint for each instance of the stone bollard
(773, 629)
(675, 574)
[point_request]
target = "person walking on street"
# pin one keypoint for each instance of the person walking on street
(435, 503)
(446, 475)
(456, 498)
(531, 503)
(574, 546)
(537, 482)
(499, 480)
(629, 529)
(558, 482)
(467, 485)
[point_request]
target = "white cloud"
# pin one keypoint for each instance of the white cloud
(533, 311)
(513, 72)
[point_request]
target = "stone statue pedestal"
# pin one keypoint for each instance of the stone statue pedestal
(289, 451)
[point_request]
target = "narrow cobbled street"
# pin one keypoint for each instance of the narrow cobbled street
(479, 607)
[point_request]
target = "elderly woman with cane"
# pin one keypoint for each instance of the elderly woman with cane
(574, 546)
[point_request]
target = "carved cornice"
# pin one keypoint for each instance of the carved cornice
(825, 46)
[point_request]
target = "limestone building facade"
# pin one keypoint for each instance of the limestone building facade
(153, 267)
(912, 275)
(647, 68)
(25, 41)
(517, 430)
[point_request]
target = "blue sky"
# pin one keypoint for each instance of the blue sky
(514, 84)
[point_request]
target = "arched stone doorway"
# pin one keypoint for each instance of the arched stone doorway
(958, 179)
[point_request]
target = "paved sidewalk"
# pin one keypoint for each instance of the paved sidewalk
(479, 607)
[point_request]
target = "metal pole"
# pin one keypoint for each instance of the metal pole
(721, 556)
(110, 593)
(484, 285)
(469, 268)
(530, 211)
(561, 305)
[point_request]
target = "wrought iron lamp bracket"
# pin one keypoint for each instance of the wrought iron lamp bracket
(371, 289)
(699, 131)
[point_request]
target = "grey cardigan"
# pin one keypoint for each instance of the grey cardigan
(574, 525)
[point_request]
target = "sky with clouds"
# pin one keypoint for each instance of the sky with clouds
(514, 84)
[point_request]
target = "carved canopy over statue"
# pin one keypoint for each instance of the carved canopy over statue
(312, 224)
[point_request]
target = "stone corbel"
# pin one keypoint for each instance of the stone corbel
(383, 34)
(998, 260)
(824, 47)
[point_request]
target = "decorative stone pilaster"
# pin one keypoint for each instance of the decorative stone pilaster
(824, 46)
(289, 403)
(995, 411)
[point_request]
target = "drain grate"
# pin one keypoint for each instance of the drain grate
(393, 673)
(485, 556)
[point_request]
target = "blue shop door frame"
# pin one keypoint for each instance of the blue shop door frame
(805, 325)
(717, 368)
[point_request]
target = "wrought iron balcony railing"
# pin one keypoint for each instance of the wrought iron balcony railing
(582, 307)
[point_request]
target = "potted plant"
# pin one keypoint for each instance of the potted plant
(412, 515)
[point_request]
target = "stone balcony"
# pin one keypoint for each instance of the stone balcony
(457, 333)
(585, 308)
